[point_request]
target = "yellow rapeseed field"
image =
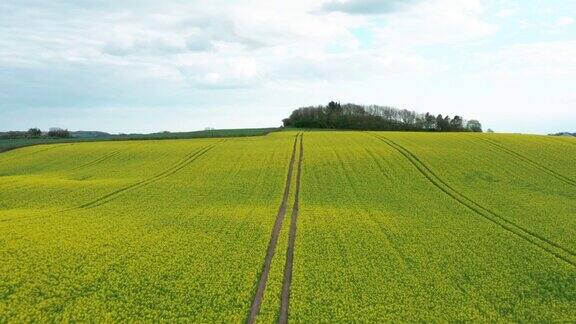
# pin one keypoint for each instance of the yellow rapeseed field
(393, 227)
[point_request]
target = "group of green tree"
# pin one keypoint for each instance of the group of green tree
(36, 133)
(352, 116)
(564, 134)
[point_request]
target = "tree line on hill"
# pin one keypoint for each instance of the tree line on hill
(58, 133)
(54, 132)
(564, 134)
(352, 116)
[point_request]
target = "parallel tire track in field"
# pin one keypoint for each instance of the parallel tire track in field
(286, 283)
(535, 239)
(96, 161)
(54, 146)
(259, 295)
(528, 161)
(565, 140)
(162, 175)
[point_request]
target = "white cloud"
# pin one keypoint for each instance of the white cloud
(265, 57)
(506, 13)
(565, 21)
(244, 44)
(543, 59)
(436, 22)
(365, 7)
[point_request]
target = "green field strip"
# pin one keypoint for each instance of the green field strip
(271, 250)
(528, 161)
(179, 166)
(541, 242)
(286, 284)
(17, 143)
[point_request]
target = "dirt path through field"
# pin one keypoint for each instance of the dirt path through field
(285, 299)
(257, 302)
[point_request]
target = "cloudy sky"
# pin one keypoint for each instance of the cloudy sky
(140, 66)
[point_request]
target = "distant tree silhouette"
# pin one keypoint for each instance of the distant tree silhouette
(351, 116)
(457, 124)
(34, 132)
(429, 122)
(58, 132)
(474, 126)
(442, 123)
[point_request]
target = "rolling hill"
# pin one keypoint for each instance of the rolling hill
(305, 226)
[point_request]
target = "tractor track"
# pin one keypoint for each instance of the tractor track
(528, 161)
(191, 157)
(565, 140)
(259, 295)
(286, 283)
(162, 175)
(52, 146)
(96, 161)
(531, 237)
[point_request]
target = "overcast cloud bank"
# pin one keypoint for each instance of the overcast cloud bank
(125, 66)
